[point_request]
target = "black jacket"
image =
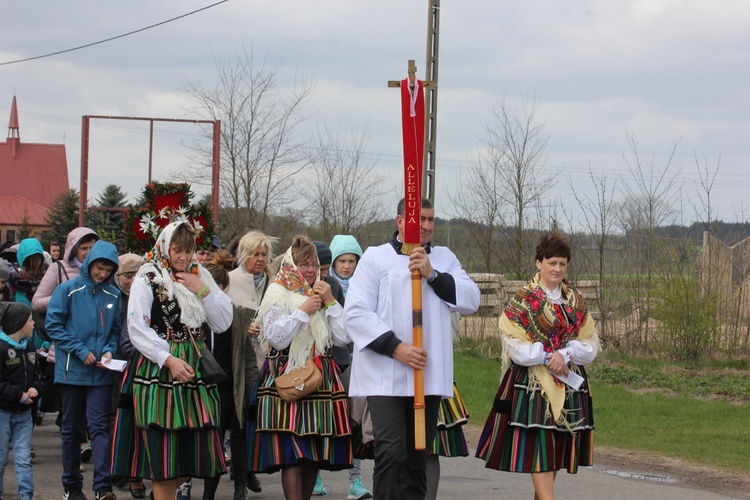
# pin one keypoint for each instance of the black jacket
(342, 355)
(19, 370)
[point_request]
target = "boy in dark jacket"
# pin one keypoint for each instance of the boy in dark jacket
(83, 320)
(20, 384)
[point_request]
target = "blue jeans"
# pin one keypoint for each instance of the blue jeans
(90, 404)
(17, 427)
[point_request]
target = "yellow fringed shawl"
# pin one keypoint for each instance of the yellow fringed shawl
(528, 318)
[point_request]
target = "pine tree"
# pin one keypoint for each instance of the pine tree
(24, 230)
(62, 217)
(109, 225)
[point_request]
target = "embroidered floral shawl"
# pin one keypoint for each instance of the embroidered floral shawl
(529, 317)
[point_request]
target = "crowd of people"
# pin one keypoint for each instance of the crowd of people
(121, 347)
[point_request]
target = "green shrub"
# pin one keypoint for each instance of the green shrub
(686, 312)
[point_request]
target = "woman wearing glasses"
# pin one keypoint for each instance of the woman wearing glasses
(301, 320)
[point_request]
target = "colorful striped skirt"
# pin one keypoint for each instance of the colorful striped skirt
(449, 438)
(166, 429)
(314, 429)
(519, 435)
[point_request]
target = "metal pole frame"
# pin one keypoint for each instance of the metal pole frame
(85, 141)
(431, 75)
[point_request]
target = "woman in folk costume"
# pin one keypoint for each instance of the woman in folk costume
(301, 321)
(542, 420)
(167, 426)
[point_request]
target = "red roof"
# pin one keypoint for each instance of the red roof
(37, 172)
(14, 208)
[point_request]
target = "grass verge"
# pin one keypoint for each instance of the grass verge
(712, 432)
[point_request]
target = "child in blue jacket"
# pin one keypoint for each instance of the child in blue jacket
(20, 385)
(83, 320)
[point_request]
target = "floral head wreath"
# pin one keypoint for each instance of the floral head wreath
(162, 204)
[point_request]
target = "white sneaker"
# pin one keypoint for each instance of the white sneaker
(183, 492)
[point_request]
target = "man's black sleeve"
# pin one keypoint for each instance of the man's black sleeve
(444, 287)
(385, 344)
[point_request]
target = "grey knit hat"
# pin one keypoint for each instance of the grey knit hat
(4, 269)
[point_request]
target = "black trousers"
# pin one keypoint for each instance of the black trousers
(238, 445)
(400, 471)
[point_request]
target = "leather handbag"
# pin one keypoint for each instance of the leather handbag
(298, 383)
(210, 369)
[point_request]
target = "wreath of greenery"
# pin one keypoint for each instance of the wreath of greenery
(160, 204)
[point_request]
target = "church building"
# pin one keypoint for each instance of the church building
(32, 176)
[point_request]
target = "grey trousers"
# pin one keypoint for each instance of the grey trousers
(400, 471)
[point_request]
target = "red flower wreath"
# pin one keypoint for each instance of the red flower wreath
(163, 203)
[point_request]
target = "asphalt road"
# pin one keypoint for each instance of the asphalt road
(461, 478)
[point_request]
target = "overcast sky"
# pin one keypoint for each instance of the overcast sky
(665, 71)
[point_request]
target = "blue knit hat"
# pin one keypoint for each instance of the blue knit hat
(344, 243)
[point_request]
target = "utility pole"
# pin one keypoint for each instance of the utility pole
(431, 75)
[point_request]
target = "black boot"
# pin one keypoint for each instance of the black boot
(252, 483)
(239, 490)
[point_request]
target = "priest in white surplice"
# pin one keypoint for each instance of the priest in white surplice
(378, 317)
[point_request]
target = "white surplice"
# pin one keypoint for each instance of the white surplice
(379, 300)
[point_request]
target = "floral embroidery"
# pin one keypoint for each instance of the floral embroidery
(290, 278)
(554, 325)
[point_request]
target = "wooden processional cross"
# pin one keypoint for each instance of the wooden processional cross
(413, 127)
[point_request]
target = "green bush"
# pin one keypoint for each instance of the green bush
(687, 313)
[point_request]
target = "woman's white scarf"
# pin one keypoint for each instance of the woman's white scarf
(288, 291)
(192, 312)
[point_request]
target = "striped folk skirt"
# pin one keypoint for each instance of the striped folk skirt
(166, 429)
(519, 435)
(314, 429)
(449, 438)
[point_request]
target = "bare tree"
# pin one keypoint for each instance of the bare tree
(730, 294)
(515, 145)
(649, 202)
(504, 190)
(597, 216)
(652, 190)
(477, 199)
(704, 191)
(345, 192)
(260, 150)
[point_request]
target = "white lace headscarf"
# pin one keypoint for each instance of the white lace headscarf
(193, 313)
(288, 291)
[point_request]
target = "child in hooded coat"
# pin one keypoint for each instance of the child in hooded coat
(20, 385)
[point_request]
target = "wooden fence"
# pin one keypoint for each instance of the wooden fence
(497, 291)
